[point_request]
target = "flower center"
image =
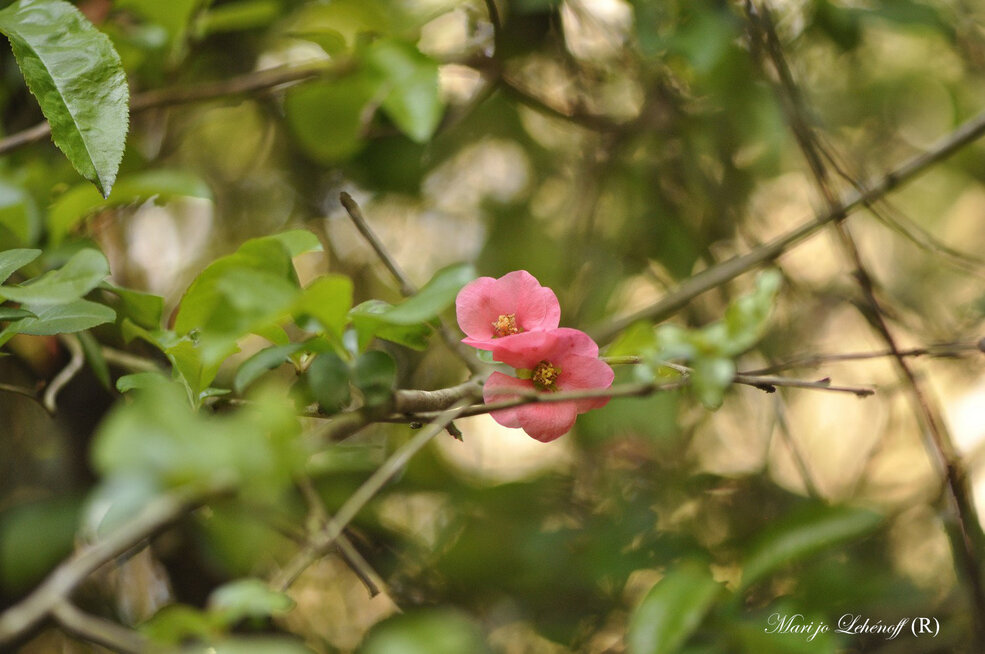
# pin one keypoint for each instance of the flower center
(505, 325)
(544, 376)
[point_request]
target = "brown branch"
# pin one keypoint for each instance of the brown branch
(98, 630)
(347, 551)
(322, 542)
(944, 350)
(727, 270)
(406, 287)
(62, 582)
(66, 374)
(966, 540)
(257, 81)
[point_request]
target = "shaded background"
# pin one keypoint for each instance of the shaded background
(612, 149)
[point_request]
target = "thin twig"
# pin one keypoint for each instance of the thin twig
(328, 536)
(98, 630)
(261, 80)
(350, 555)
(66, 374)
(966, 540)
(407, 288)
(783, 426)
(727, 270)
(128, 361)
(944, 350)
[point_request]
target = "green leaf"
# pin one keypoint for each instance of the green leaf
(76, 75)
(326, 118)
(436, 296)
(672, 611)
(177, 623)
(367, 319)
(328, 380)
(337, 25)
(710, 378)
(328, 299)
(12, 260)
(746, 317)
(800, 535)
(434, 631)
(51, 319)
(410, 81)
(81, 201)
(247, 598)
(160, 436)
(78, 276)
(375, 375)
(264, 360)
(174, 15)
(24, 556)
(254, 645)
(19, 213)
(138, 380)
(144, 309)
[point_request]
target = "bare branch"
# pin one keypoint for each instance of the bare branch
(98, 630)
(967, 538)
(944, 350)
(324, 540)
(66, 374)
(727, 270)
(261, 80)
(406, 287)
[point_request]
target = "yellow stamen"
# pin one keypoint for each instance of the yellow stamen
(506, 325)
(544, 376)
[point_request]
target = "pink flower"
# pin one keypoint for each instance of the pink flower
(493, 309)
(556, 360)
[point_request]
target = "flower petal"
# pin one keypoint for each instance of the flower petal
(581, 373)
(481, 302)
(473, 306)
(548, 421)
(526, 349)
(492, 392)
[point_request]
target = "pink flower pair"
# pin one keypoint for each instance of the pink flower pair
(517, 320)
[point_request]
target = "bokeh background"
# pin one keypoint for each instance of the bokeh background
(612, 148)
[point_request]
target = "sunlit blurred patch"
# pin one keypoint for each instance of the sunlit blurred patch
(334, 606)
(596, 29)
(492, 453)
(162, 241)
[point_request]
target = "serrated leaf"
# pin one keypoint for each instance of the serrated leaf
(815, 528)
(13, 260)
(78, 79)
(672, 611)
(80, 274)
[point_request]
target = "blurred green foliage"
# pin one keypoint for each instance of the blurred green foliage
(221, 298)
